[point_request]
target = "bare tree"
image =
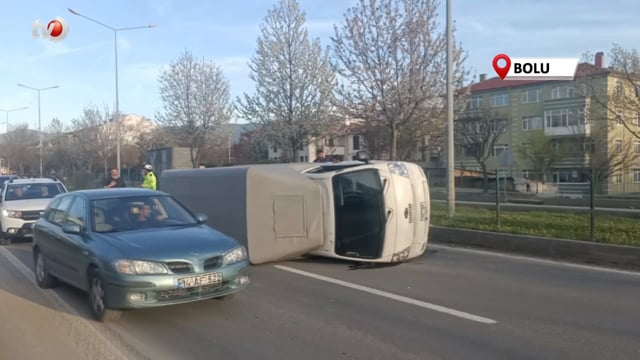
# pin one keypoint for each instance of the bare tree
(602, 158)
(60, 153)
(477, 135)
(294, 81)
(391, 55)
(623, 100)
(196, 101)
(94, 136)
(541, 154)
(21, 147)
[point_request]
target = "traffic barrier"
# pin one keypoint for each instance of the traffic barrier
(593, 253)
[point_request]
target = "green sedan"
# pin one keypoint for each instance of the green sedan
(132, 248)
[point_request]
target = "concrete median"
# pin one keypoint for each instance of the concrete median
(615, 256)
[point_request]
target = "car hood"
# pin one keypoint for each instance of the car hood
(26, 205)
(167, 244)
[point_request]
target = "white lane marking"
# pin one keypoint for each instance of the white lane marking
(534, 259)
(388, 295)
(51, 295)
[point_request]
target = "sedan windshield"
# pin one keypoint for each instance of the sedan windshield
(139, 212)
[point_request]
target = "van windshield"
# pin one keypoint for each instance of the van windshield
(31, 191)
(359, 214)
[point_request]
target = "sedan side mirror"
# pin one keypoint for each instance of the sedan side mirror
(201, 218)
(72, 229)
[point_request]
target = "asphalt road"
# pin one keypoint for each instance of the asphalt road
(449, 304)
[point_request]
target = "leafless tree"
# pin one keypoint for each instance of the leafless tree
(94, 136)
(391, 56)
(541, 154)
(477, 134)
(60, 152)
(196, 101)
(623, 100)
(294, 81)
(601, 157)
(21, 147)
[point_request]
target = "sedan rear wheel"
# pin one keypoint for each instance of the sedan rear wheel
(97, 296)
(43, 278)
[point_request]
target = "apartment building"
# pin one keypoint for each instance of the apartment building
(579, 116)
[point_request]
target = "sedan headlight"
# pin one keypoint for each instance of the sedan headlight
(398, 168)
(235, 255)
(12, 213)
(137, 267)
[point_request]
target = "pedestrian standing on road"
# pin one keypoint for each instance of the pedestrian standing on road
(150, 181)
(320, 158)
(114, 180)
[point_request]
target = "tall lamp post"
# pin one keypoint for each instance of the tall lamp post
(6, 121)
(451, 179)
(115, 39)
(38, 90)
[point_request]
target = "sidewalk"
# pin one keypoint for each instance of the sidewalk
(30, 328)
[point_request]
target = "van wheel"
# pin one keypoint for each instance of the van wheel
(97, 296)
(43, 278)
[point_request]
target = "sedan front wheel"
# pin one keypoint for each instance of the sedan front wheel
(43, 278)
(97, 296)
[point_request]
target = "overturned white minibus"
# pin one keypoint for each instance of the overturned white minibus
(368, 211)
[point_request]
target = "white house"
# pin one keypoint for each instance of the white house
(338, 147)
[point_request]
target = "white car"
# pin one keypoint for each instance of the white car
(22, 203)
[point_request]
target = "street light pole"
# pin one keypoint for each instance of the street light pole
(38, 90)
(115, 42)
(451, 185)
(6, 121)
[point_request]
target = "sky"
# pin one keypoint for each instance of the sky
(82, 65)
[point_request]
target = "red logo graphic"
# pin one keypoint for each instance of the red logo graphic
(55, 30)
(502, 71)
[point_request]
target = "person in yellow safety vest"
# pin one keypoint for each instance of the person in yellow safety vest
(150, 181)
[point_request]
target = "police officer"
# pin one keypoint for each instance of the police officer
(150, 181)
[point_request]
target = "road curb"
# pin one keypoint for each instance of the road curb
(615, 256)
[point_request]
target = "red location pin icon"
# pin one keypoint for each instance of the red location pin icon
(501, 71)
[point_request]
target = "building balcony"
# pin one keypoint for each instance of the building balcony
(574, 130)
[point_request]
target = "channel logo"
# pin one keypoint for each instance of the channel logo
(55, 30)
(534, 68)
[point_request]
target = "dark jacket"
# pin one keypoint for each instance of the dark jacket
(119, 182)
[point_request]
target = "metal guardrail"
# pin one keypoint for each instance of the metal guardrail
(544, 207)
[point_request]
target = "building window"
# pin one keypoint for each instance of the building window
(476, 102)
(328, 142)
(636, 176)
(501, 100)
(531, 96)
(619, 118)
(275, 149)
(531, 122)
(356, 142)
(636, 146)
(619, 91)
(636, 119)
(526, 174)
(562, 92)
(498, 149)
(618, 145)
(617, 178)
(564, 117)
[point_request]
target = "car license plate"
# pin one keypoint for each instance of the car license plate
(200, 280)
